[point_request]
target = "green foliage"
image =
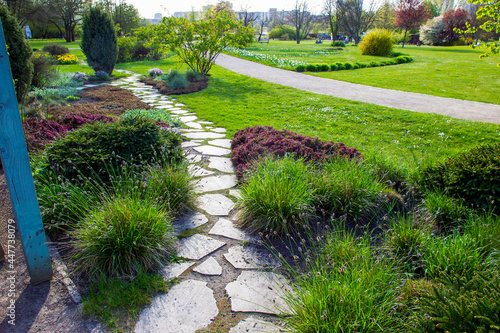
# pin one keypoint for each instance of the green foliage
(19, 53)
(311, 68)
(448, 212)
(323, 68)
(277, 197)
(199, 43)
(99, 42)
(348, 65)
(282, 32)
(338, 43)
(334, 67)
(175, 80)
(473, 176)
(403, 59)
(44, 70)
(124, 237)
(96, 149)
(348, 288)
(377, 42)
(155, 114)
(461, 304)
(115, 300)
(55, 49)
(300, 68)
(193, 76)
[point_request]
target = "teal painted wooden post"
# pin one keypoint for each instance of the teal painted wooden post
(18, 175)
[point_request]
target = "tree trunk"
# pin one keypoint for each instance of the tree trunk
(404, 39)
(298, 36)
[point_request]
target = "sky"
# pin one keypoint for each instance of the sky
(147, 8)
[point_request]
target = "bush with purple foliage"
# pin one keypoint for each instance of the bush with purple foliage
(251, 143)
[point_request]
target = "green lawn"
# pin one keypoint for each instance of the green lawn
(455, 72)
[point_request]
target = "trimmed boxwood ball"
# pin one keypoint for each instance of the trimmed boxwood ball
(378, 42)
(348, 65)
(323, 68)
(334, 67)
(311, 68)
(300, 68)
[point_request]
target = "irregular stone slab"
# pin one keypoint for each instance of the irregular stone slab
(255, 291)
(178, 111)
(193, 125)
(209, 267)
(235, 193)
(215, 204)
(216, 183)
(198, 246)
(226, 228)
(205, 135)
(179, 104)
(223, 164)
(219, 130)
(211, 150)
(175, 270)
(198, 171)
(163, 107)
(189, 221)
(206, 122)
(188, 144)
(255, 325)
(250, 257)
(193, 158)
(187, 307)
(226, 143)
(188, 119)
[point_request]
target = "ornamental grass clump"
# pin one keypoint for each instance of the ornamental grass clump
(277, 197)
(378, 42)
(124, 237)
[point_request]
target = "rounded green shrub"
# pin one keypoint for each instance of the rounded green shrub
(99, 41)
(175, 80)
(44, 69)
(55, 49)
(94, 150)
(338, 43)
(282, 32)
(334, 67)
(378, 42)
(277, 197)
(19, 53)
(323, 68)
(193, 76)
(348, 65)
(124, 237)
(355, 66)
(374, 64)
(448, 212)
(300, 68)
(473, 176)
(311, 68)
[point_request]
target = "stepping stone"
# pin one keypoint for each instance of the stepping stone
(193, 158)
(235, 193)
(177, 111)
(205, 135)
(191, 130)
(188, 119)
(215, 204)
(223, 164)
(165, 102)
(163, 107)
(193, 125)
(211, 150)
(189, 221)
(209, 267)
(216, 183)
(226, 228)
(187, 307)
(206, 122)
(179, 104)
(260, 292)
(188, 144)
(90, 85)
(226, 143)
(198, 246)
(219, 130)
(255, 325)
(198, 171)
(250, 257)
(175, 270)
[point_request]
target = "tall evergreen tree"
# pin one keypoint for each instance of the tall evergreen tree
(99, 42)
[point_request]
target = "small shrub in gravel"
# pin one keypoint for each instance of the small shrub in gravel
(55, 49)
(252, 143)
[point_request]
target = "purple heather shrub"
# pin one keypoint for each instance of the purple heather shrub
(252, 143)
(74, 120)
(80, 77)
(155, 72)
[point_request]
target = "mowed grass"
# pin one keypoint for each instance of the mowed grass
(455, 72)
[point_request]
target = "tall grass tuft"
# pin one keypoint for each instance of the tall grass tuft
(448, 212)
(277, 197)
(124, 237)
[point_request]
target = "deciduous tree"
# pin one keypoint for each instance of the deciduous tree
(410, 14)
(300, 18)
(355, 18)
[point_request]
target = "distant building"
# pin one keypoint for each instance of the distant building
(158, 16)
(273, 12)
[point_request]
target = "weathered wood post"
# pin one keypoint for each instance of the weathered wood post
(19, 179)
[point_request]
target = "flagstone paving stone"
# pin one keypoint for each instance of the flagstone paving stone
(188, 119)
(187, 144)
(219, 130)
(211, 150)
(187, 307)
(204, 135)
(176, 269)
(255, 291)
(226, 228)
(250, 257)
(197, 171)
(216, 204)
(194, 125)
(216, 183)
(197, 246)
(235, 193)
(255, 325)
(223, 164)
(189, 221)
(178, 111)
(225, 143)
(209, 267)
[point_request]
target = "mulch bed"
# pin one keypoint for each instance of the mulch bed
(107, 100)
(162, 87)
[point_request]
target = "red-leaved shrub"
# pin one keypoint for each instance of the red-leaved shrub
(251, 143)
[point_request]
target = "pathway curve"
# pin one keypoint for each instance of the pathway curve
(392, 98)
(227, 279)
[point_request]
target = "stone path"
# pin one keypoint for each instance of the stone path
(356, 92)
(226, 278)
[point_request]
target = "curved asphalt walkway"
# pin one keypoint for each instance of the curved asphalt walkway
(392, 98)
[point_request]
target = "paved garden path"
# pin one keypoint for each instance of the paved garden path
(392, 98)
(227, 278)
